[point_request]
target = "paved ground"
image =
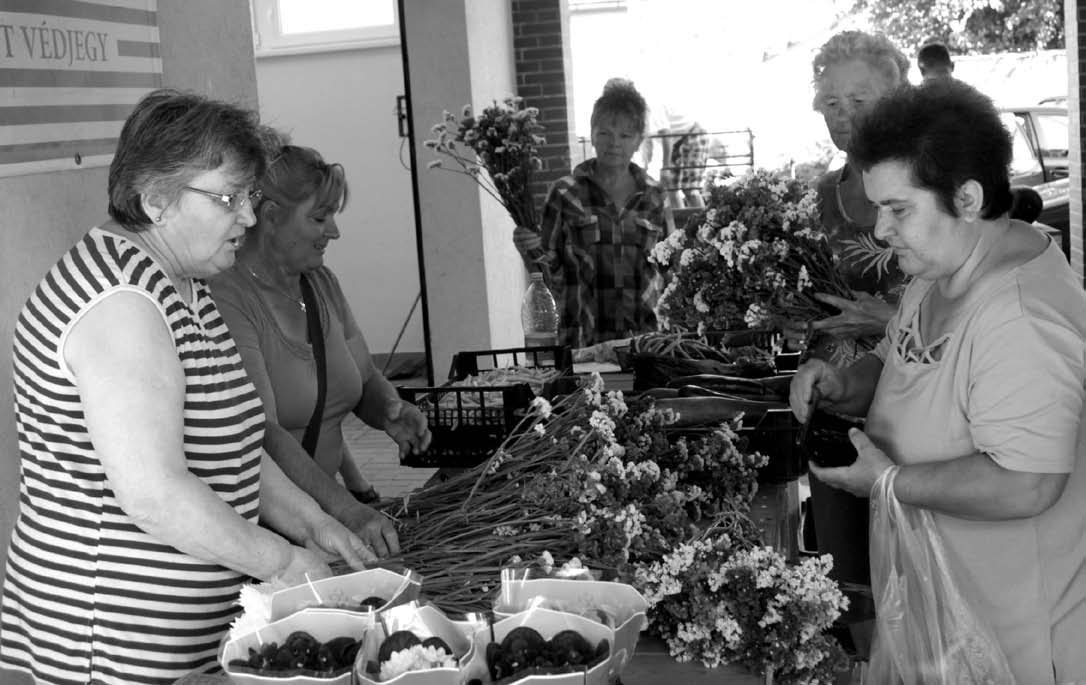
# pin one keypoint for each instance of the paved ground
(376, 453)
(380, 461)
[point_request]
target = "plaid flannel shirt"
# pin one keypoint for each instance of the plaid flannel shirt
(597, 256)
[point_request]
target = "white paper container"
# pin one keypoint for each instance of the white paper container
(625, 604)
(322, 624)
(548, 623)
(396, 588)
(452, 632)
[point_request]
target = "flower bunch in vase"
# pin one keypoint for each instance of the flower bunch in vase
(754, 258)
(499, 149)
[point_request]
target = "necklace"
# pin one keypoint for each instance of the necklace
(280, 290)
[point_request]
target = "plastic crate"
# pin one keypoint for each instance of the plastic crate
(558, 357)
(467, 423)
(470, 363)
(775, 437)
(763, 339)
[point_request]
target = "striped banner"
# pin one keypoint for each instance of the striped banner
(70, 72)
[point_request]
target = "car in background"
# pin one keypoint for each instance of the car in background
(1040, 142)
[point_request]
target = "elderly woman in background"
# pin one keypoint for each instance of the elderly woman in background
(278, 300)
(852, 71)
(142, 472)
(975, 395)
(599, 225)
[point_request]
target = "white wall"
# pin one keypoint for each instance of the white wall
(470, 265)
(343, 104)
(492, 78)
(206, 46)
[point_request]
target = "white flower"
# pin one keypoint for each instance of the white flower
(699, 302)
(603, 424)
(416, 658)
(804, 280)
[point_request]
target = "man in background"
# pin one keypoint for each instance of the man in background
(934, 62)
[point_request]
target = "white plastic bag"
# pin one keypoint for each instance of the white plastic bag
(925, 631)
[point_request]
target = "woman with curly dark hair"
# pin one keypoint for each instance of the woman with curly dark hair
(974, 396)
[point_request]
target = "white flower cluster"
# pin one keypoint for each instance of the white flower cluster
(603, 424)
(804, 280)
(542, 407)
(664, 578)
(416, 658)
(757, 316)
(663, 250)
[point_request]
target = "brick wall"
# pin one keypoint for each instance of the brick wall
(1075, 14)
(541, 51)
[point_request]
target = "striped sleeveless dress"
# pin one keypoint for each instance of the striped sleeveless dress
(88, 597)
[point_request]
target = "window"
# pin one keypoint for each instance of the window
(284, 27)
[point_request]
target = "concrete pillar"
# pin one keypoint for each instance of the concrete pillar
(472, 273)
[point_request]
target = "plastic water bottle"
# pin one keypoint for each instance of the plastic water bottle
(539, 314)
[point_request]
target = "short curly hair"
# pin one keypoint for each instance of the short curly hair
(874, 49)
(947, 133)
(620, 98)
(170, 137)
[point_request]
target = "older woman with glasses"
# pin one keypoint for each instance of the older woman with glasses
(140, 435)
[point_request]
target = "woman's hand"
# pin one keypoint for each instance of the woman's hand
(406, 425)
(332, 540)
(374, 528)
(303, 565)
(865, 316)
(859, 477)
(815, 374)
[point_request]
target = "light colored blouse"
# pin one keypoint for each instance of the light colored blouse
(282, 366)
(1007, 381)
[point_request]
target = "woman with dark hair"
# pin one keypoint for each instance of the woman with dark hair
(142, 471)
(277, 300)
(974, 397)
(599, 225)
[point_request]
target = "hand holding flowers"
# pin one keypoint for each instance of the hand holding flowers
(503, 141)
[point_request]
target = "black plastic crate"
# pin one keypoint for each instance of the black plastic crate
(775, 436)
(763, 339)
(557, 357)
(471, 363)
(467, 422)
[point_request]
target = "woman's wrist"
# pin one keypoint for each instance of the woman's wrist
(276, 557)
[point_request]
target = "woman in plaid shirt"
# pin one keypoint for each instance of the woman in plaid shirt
(599, 225)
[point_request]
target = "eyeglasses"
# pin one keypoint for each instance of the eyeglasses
(232, 202)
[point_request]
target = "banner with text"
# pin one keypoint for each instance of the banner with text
(70, 72)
